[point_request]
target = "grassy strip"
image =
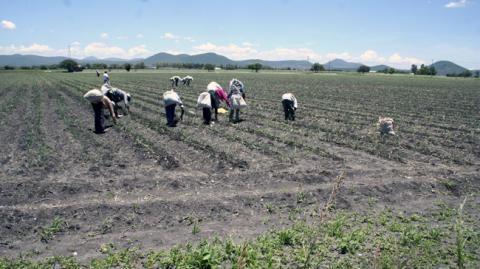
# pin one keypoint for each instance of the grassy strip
(178, 135)
(33, 140)
(347, 240)
(346, 135)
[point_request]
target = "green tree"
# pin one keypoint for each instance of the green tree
(424, 70)
(140, 65)
(209, 67)
(414, 68)
(466, 74)
(432, 71)
(128, 67)
(9, 67)
(316, 67)
(391, 70)
(69, 64)
(477, 74)
(363, 69)
(255, 66)
(99, 66)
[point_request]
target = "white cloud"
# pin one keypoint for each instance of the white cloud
(291, 54)
(343, 55)
(139, 36)
(174, 52)
(371, 56)
(248, 51)
(8, 25)
(138, 51)
(170, 36)
(32, 49)
(177, 38)
(122, 37)
(247, 44)
(404, 61)
(232, 50)
(458, 4)
(104, 35)
(99, 50)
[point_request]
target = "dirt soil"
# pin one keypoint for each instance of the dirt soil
(138, 185)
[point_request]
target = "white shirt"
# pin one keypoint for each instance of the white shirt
(171, 97)
(291, 97)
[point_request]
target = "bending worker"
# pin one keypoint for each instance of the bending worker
(171, 100)
(106, 78)
(217, 94)
(99, 101)
(175, 80)
(290, 104)
(236, 96)
(187, 80)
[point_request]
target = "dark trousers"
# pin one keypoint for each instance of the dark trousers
(215, 102)
(170, 111)
(235, 112)
(288, 109)
(99, 117)
(175, 83)
(207, 115)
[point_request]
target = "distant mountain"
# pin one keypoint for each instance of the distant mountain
(91, 58)
(205, 58)
(339, 64)
(279, 64)
(445, 67)
(213, 58)
(29, 60)
(379, 67)
(94, 60)
(442, 67)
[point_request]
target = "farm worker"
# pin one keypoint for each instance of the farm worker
(99, 101)
(171, 100)
(106, 78)
(218, 94)
(205, 101)
(120, 98)
(175, 80)
(386, 125)
(186, 80)
(98, 73)
(236, 97)
(289, 103)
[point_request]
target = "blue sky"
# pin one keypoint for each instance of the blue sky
(393, 32)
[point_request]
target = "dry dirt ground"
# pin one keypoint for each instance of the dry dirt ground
(146, 185)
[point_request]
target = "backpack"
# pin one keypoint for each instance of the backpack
(204, 100)
(94, 96)
(170, 98)
(238, 101)
(386, 125)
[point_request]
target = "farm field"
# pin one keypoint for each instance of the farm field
(66, 191)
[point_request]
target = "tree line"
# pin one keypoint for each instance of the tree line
(73, 66)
